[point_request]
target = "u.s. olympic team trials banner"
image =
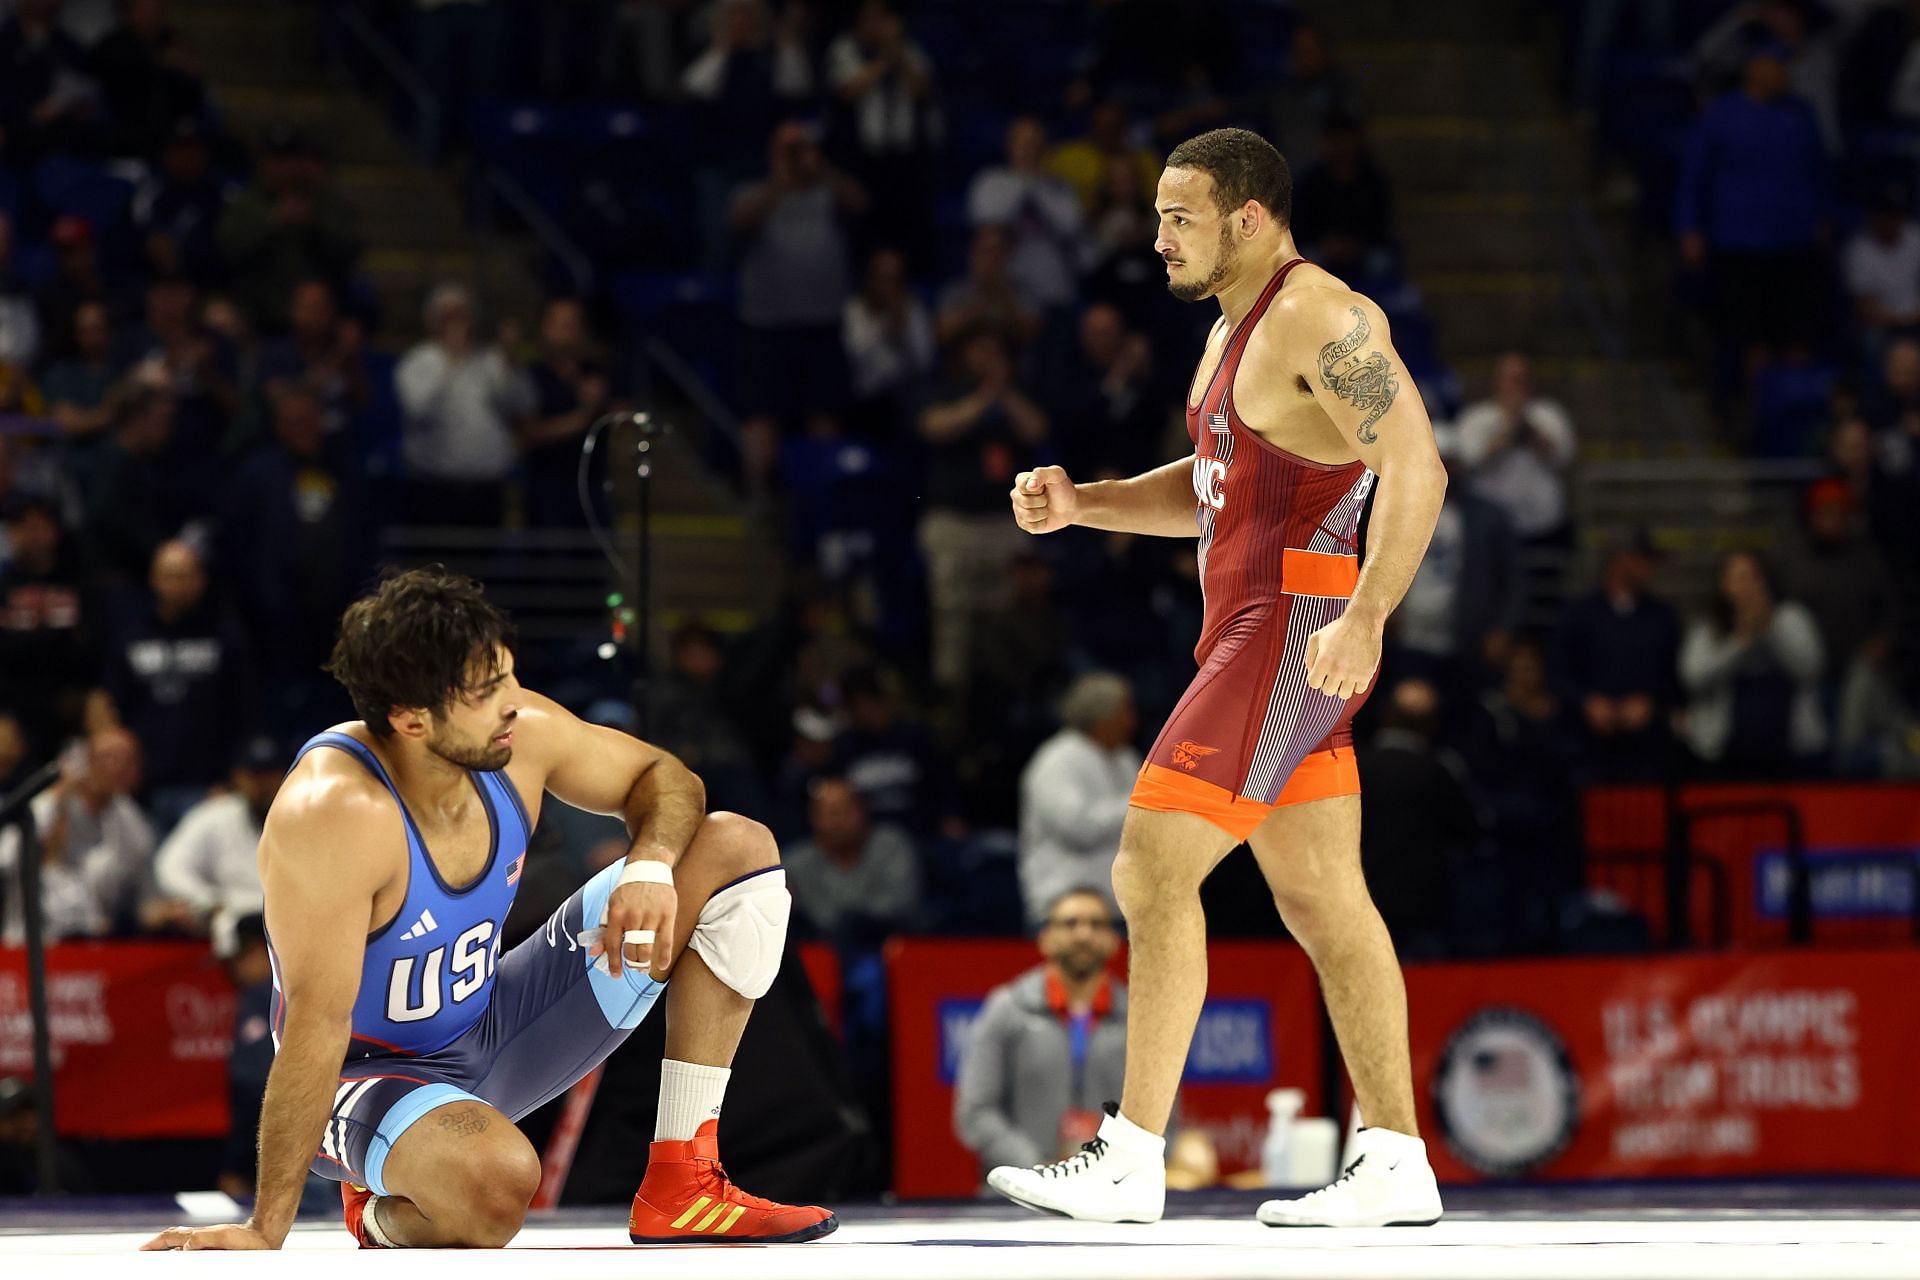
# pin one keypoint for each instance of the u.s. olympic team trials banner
(1260, 1029)
(1729, 1065)
(141, 1036)
(1782, 1063)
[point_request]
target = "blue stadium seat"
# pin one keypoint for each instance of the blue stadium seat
(851, 511)
(1030, 49)
(1790, 402)
(1693, 17)
(655, 223)
(34, 264)
(1266, 36)
(691, 312)
(647, 295)
(1441, 392)
(951, 37)
(1646, 109)
(616, 139)
(596, 169)
(972, 885)
(854, 494)
(524, 139)
(377, 427)
(1877, 156)
(495, 122)
(978, 138)
(950, 213)
(62, 184)
(1645, 93)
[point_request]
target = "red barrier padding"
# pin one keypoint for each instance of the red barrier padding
(141, 1034)
(1260, 1029)
(1697, 1066)
(1857, 836)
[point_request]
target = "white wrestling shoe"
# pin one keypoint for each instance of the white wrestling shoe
(1121, 1176)
(1388, 1184)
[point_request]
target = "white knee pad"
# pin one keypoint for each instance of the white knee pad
(742, 931)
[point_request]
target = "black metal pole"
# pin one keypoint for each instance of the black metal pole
(1679, 871)
(16, 811)
(1799, 883)
(1913, 895)
(643, 573)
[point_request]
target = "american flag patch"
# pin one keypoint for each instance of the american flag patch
(513, 872)
(1503, 1069)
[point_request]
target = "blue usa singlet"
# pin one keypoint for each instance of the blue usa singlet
(429, 971)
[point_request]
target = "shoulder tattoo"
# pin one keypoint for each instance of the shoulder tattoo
(1366, 382)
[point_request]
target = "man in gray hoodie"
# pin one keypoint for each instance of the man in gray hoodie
(1074, 794)
(1049, 1046)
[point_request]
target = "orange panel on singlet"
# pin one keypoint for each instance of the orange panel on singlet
(1318, 573)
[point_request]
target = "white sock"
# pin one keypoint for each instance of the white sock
(1128, 1136)
(690, 1096)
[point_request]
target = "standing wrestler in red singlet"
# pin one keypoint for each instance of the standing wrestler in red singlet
(1299, 408)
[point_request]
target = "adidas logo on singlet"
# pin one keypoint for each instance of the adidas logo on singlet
(425, 925)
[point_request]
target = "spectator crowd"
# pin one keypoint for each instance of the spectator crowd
(909, 271)
(202, 431)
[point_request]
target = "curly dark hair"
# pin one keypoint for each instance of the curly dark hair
(1244, 166)
(414, 642)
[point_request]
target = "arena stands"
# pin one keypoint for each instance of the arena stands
(348, 288)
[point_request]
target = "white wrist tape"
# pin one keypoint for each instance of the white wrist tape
(645, 871)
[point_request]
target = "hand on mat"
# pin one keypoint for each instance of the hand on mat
(1044, 499)
(1343, 656)
(226, 1237)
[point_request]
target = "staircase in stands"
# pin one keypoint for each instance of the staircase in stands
(267, 64)
(1496, 192)
(1489, 168)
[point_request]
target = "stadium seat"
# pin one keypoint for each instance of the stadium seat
(974, 885)
(1789, 404)
(34, 263)
(691, 312)
(1877, 157)
(1266, 34)
(62, 184)
(1647, 105)
(378, 426)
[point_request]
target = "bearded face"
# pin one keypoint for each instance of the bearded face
(1191, 287)
(461, 746)
(475, 728)
(1196, 236)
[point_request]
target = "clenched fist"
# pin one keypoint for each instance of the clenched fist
(1044, 500)
(1344, 656)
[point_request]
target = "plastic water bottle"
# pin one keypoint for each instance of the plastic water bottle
(1283, 1105)
(1313, 1159)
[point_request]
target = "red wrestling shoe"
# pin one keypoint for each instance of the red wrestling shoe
(686, 1198)
(354, 1201)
